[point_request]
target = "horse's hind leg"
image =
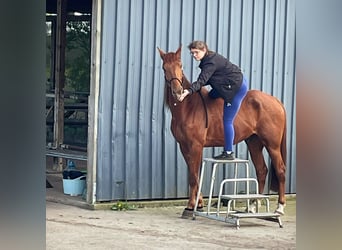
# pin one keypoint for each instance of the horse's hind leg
(280, 169)
(255, 148)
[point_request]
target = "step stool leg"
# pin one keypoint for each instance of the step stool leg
(247, 186)
(267, 205)
(211, 188)
(280, 222)
(228, 208)
(237, 223)
(235, 184)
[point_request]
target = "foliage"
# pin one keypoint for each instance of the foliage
(77, 76)
(120, 206)
(77, 55)
(77, 68)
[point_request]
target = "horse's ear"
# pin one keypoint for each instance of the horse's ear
(161, 52)
(179, 50)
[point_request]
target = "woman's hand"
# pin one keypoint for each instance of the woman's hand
(183, 95)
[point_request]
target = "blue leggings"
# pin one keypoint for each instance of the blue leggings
(229, 113)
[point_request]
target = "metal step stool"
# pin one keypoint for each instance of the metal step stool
(234, 216)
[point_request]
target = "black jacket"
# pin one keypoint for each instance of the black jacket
(223, 76)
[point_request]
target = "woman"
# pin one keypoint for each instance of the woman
(227, 82)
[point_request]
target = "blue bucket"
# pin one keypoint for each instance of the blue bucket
(75, 186)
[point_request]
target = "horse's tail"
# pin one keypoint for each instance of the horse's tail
(283, 150)
(283, 145)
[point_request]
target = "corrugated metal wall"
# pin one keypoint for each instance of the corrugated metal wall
(138, 157)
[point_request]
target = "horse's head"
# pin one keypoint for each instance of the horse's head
(172, 66)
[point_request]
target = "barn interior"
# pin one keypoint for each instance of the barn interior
(68, 52)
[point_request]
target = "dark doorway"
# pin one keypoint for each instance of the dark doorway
(71, 91)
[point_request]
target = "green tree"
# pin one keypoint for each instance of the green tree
(77, 67)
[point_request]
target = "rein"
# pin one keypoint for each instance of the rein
(205, 109)
(199, 92)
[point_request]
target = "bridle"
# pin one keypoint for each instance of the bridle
(168, 82)
(173, 78)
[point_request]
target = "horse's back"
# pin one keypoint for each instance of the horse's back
(262, 96)
(263, 102)
(261, 114)
(255, 106)
(255, 97)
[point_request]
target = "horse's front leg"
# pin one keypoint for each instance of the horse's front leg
(193, 158)
(194, 185)
(193, 167)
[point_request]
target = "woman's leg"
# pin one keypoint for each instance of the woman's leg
(213, 94)
(230, 111)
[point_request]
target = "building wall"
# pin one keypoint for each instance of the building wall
(138, 157)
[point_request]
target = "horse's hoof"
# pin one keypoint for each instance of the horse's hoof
(280, 209)
(188, 213)
(254, 207)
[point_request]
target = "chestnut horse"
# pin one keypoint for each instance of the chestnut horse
(197, 123)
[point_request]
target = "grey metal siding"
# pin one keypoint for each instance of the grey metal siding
(138, 157)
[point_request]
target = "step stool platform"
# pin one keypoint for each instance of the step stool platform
(235, 217)
(243, 196)
(254, 215)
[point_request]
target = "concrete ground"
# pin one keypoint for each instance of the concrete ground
(70, 225)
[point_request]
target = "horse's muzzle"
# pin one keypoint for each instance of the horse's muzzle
(177, 94)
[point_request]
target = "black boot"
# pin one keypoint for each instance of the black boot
(225, 156)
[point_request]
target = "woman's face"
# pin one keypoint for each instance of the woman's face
(198, 54)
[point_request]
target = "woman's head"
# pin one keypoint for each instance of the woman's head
(198, 49)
